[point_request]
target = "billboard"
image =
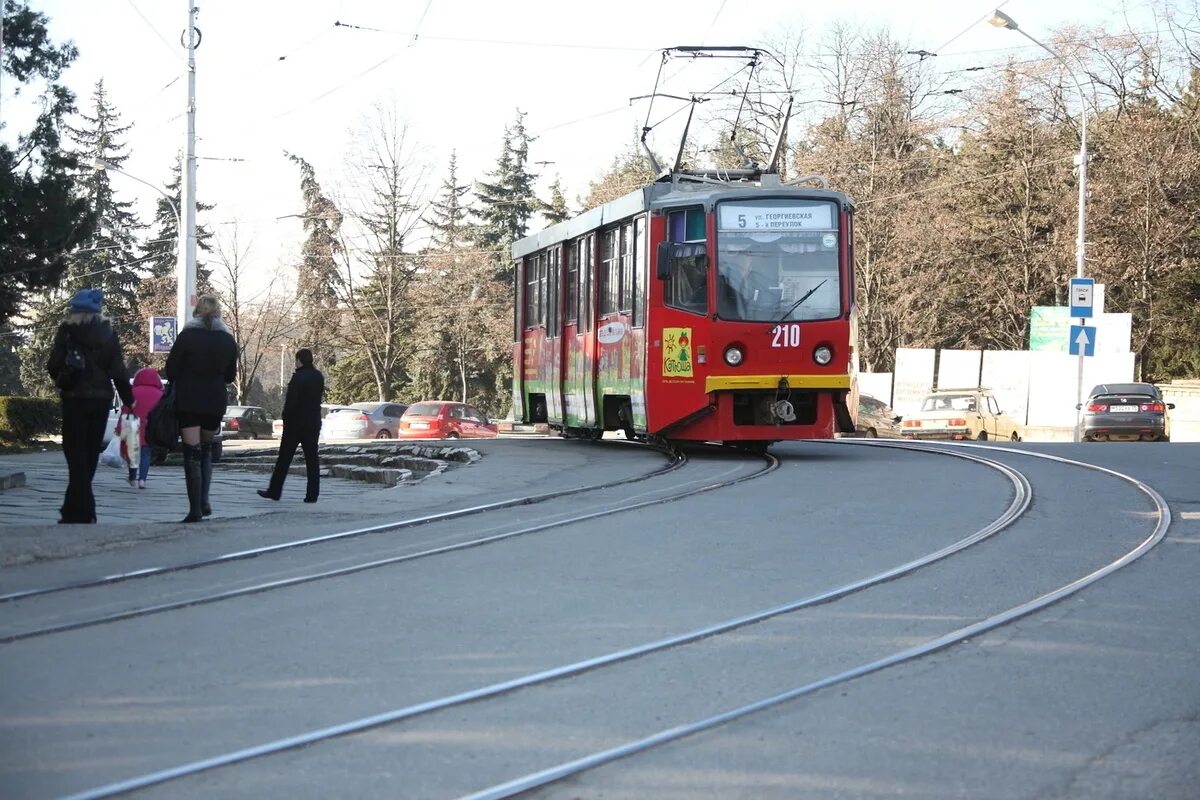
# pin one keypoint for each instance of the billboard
(162, 334)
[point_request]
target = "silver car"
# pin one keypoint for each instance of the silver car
(364, 421)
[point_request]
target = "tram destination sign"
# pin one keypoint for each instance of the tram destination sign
(755, 217)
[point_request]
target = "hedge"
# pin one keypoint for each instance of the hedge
(23, 418)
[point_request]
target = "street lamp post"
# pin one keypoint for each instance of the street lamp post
(99, 163)
(1002, 20)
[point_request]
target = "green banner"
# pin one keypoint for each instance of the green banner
(1048, 328)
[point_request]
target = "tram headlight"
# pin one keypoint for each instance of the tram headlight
(823, 354)
(734, 355)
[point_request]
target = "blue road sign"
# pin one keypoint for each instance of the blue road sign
(1082, 340)
(162, 334)
(1082, 292)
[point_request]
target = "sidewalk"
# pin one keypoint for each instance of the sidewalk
(163, 500)
(29, 529)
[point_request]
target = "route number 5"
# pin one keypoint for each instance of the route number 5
(785, 335)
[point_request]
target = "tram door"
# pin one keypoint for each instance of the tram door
(578, 338)
(552, 363)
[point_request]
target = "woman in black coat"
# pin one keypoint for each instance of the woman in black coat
(202, 361)
(86, 393)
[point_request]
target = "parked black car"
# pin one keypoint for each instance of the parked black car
(1126, 412)
(246, 422)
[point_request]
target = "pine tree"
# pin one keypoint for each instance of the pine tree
(41, 215)
(316, 284)
(448, 218)
(506, 202)
(555, 210)
(629, 170)
(109, 259)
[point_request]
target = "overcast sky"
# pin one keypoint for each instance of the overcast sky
(276, 75)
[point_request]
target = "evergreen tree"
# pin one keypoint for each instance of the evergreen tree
(555, 210)
(10, 362)
(506, 201)
(41, 216)
(156, 296)
(448, 215)
(108, 260)
(316, 284)
(630, 169)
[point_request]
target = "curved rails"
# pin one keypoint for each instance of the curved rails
(772, 465)
(568, 769)
(1023, 496)
(675, 461)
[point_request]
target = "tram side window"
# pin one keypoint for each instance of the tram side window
(639, 270)
(587, 271)
(531, 287)
(626, 303)
(686, 226)
(610, 275)
(552, 299)
(687, 287)
(571, 254)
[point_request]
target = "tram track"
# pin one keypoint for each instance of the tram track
(1020, 502)
(669, 494)
(564, 770)
(676, 460)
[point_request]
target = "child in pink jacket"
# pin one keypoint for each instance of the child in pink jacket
(147, 391)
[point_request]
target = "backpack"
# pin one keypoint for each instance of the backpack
(75, 364)
(162, 427)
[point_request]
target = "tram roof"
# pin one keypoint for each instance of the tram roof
(668, 192)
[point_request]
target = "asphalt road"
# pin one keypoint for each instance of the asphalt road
(1094, 697)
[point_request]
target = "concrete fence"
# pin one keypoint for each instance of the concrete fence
(1037, 388)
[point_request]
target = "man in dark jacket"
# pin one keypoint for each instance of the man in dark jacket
(86, 362)
(301, 426)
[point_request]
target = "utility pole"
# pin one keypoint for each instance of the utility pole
(185, 271)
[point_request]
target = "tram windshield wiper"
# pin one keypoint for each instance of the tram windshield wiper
(800, 302)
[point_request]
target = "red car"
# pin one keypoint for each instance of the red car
(444, 419)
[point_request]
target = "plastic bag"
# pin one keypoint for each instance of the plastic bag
(111, 457)
(130, 439)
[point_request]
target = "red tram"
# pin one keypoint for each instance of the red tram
(693, 309)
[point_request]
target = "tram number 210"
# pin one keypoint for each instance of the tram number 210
(785, 335)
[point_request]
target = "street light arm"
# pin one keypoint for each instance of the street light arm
(1074, 77)
(101, 164)
(1002, 20)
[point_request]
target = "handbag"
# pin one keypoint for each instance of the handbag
(162, 426)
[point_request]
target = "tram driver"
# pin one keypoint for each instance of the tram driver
(744, 290)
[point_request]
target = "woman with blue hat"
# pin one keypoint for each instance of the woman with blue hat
(86, 362)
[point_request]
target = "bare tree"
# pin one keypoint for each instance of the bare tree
(387, 183)
(260, 319)
(463, 330)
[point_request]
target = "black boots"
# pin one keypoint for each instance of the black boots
(206, 454)
(195, 485)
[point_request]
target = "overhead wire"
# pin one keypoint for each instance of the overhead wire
(161, 38)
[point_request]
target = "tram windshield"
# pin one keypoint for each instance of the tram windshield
(777, 260)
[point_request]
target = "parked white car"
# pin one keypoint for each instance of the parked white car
(959, 414)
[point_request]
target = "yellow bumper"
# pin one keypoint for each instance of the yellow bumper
(719, 383)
